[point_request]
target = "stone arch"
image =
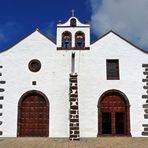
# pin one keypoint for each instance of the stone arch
(33, 115)
(113, 114)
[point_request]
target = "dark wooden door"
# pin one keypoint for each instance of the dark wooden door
(106, 123)
(33, 116)
(112, 115)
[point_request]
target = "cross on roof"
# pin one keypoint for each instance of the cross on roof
(73, 12)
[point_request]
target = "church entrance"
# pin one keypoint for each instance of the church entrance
(113, 114)
(33, 115)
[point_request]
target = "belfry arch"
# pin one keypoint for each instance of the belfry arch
(113, 114)
(33, 115)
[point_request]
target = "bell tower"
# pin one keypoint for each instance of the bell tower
(73, 35)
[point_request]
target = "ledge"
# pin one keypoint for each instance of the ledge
(73, 48)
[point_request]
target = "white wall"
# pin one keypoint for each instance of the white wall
(53, 81)
(50, 80)
(92, 82)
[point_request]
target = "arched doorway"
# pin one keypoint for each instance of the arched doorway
(113, 114)
(33, 115)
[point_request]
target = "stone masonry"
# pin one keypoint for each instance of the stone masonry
(1, 98)
(74, 110)
(145, 96)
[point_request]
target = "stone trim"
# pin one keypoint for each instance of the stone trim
(2, 82)
(74, 109)
(145, 65)
(2, 90)
(73, 48)
(34, 82)
(1, 106)
(1, 98)
(145, 96)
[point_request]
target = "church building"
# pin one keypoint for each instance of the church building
(73, 88)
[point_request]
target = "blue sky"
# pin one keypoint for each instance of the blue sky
(20, 17)
(128, 18)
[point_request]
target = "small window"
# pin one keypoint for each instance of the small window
(112, 69)
(80, 39)
(66, 39)
(73, 22)
(34, 65)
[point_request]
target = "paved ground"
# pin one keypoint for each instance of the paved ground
(65, 143)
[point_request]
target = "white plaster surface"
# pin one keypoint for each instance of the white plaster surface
(53, 81)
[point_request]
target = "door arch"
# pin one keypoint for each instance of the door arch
(33, 115)
(113, 114)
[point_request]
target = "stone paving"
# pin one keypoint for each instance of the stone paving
(101, 142)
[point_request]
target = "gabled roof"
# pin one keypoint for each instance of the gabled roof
(52, 40)
(111, 31)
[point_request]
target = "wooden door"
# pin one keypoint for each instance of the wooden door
(33, 116)
(113, 115)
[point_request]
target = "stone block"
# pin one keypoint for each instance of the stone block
(144, 80)
(76, 132)
(2, 82)
(72, 112)
(1, 98)
(75, 107)
(145, 87)
(146, 116)
(74, 120)
(145, 73)
(145, 125)
(74, 128)
(144, 96)
(1, 106)
(145, 129)
(145, 133)
(145, 65)
(146, 110)
(145, 106)
(2, 90)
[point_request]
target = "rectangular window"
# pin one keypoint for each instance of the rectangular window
(112, 69)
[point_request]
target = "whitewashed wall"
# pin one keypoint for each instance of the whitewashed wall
(53, 81)
(93, 82)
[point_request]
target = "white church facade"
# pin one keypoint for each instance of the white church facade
(73, 88)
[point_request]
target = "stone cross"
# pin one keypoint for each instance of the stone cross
(73, 12)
